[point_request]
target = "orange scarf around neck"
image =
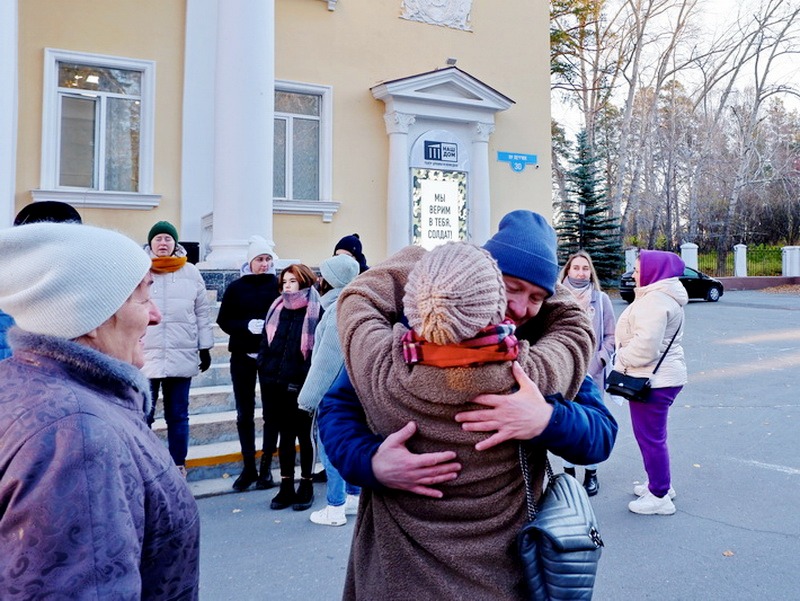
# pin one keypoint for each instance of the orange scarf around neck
(167, 264)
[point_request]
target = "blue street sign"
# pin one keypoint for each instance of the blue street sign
(517, 160)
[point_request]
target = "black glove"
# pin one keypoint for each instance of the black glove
(205, 359)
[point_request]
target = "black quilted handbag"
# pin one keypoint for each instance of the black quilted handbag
(559, 546)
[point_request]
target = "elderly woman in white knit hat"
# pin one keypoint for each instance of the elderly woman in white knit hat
(90, 497)
(178, 348)
(241, 315)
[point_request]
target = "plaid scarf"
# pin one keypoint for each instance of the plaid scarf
(308, 298)
(493, 344)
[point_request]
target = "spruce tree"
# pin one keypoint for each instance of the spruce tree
(596, 231)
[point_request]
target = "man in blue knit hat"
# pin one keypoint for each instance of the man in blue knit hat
(584, 431)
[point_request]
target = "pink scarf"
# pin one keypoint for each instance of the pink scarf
(308, 298)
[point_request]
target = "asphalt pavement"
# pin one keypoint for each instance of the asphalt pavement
(733, 436)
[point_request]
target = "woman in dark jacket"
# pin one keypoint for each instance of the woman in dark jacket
(241, 316)
(283, 363)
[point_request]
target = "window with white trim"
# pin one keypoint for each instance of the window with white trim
(97, 134)
(302, 146)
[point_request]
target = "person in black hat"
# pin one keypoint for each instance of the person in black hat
(351, 245)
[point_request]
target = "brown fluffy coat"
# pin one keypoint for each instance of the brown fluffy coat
(461, 546)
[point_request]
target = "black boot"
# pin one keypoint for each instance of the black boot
(320, 477)
(305, 495)
(246, 478)
(570, 471)
(265, 479)
(590, 482)
(286, 495)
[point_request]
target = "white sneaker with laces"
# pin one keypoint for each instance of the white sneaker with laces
(649, 504)
(640, 489)
(351, 505)
(329, 516)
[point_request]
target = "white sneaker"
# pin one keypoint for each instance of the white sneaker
(649, 504)
(351, 505)
(640, 489)
(330, 516)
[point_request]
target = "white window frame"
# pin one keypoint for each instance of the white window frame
(324, 205)
(51, 132)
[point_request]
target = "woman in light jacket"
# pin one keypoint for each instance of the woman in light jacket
(175, 347)
(327, 361)
(644, 332)
(580, 278)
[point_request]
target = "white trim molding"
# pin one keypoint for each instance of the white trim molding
(307, 207)
(99, 200)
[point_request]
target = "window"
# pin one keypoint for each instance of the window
(302, 149)
(97, 135)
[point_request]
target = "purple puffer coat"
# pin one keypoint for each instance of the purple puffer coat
(91, 505)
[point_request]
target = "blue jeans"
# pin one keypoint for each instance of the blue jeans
(337, 487)
(176, 412)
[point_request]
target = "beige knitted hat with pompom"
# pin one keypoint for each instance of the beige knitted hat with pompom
(453, 292)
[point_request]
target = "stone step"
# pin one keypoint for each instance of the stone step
(209, 399)
(207, 428)
(219, 352)
(218, 374)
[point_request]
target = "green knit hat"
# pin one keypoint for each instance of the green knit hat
(162, 227)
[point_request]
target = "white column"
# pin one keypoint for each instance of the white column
(243, 128)
(8, 110)
(481, 217)
(630, 258)
(398, 206)
(740, 261)
(689, 254)
(790, 256)
(197, 144)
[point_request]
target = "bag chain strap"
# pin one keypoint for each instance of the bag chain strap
(530, 502)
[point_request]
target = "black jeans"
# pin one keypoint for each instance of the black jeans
(283, 418)
(244, 372)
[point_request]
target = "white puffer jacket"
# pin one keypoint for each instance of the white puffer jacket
(644, 330)
(170, 348)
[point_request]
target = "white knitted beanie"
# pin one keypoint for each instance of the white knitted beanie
(453, 292)
(64, 279)
(339, 270)
(257, 245)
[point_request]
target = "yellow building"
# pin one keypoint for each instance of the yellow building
(298, 120)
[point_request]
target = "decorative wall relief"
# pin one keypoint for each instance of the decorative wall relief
(446, 13)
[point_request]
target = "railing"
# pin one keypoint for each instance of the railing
(707, 263)
(764, 261)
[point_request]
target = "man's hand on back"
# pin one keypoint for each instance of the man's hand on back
(521, 415)
(396, 467)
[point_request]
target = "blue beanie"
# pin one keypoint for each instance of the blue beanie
(525, 248)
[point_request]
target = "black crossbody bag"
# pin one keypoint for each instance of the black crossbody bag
(630, 387)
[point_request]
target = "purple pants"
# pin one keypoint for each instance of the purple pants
(649, 421)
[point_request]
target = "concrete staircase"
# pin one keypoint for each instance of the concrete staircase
(214, 458)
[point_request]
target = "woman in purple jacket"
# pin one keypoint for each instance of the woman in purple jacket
(91, 504)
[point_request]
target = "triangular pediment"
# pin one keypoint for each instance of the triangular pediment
(450, 86)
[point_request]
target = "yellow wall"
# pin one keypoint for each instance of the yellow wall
(364, 42)
(353, 48)
(144, 29)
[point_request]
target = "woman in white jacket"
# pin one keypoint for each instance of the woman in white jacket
(644, 332)
(180, 343)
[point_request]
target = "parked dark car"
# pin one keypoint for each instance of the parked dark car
(697, 284)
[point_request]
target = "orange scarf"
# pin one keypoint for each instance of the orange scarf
(493, 344)
(167, 264)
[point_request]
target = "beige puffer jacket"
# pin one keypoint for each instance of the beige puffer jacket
(170, 348)
(644, 330)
